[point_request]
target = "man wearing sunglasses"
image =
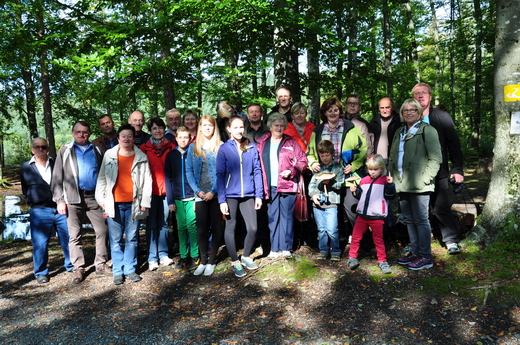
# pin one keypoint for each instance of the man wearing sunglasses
(36, 175)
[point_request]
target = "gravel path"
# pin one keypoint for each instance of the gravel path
(297, 301)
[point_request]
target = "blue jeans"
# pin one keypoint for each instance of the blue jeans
(280, 210)
(327, 222)
(157, 228)
(42, 220)
(414, 209)
(124, 259)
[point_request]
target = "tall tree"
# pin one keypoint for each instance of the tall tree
(475, 136)
(45, 80)
(285, 47)
(387, 50)
(502, 214)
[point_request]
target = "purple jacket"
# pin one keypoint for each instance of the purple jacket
(290, 157)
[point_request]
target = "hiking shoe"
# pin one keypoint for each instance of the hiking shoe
(119, 279)
(420, 264)
(134, 277)
(42, 279)
(385, 267)
(165, 261)
(238, 269)
(286, 254)
(335, 257)
(192, 263)
(274, 255)
(199, 270)
(408, 259)
(181, 263)
(353, 263)
(248, 263)
(209, 269)
(453, 248)
(153, 265)
(322, 256)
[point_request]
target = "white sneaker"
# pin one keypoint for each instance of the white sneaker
(286, 254)
(199, 270)
(153, 265)
(273, 255)
(165, 261)
(209, 269)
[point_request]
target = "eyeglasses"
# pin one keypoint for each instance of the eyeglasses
(418, 93)
(352, 103)
(411, 111)
(42, 147)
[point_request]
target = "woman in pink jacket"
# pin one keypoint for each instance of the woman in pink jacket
(282, 161)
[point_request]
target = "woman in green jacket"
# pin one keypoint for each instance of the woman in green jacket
(414, 161)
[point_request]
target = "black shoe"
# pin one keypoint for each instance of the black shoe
(42, 279)
(193, 264)
(134, 277)
(182, 262)
(119, 279)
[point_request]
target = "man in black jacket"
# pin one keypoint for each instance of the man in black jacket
(35, 176)
(384, 125)
(451, 150)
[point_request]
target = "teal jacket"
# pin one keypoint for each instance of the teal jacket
(421, 162)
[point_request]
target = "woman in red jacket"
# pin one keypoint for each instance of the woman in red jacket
(282, 161)
(156, 149)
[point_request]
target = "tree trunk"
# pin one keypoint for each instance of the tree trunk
(168, 94)
(452, 58)
(30, 101)
(435, 30)
(501, 215)
(313, 66)
(475, 135)
(387, 49)
(285, 51)
(414, 53)
(46, 89)
(352, 54)
(233, 82)
(340, 34)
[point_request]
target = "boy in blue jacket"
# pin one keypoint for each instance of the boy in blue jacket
(181, 200)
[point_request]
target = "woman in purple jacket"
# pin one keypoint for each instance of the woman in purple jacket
(239, 185)
(282, 161)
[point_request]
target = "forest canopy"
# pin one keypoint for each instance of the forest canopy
(65, 60)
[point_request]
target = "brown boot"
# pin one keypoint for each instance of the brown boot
(103, 269)
(78, 275)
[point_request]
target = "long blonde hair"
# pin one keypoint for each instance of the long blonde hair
(201, 139)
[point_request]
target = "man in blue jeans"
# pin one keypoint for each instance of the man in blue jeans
(36, 175)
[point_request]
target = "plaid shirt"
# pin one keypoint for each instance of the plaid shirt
(334, 136)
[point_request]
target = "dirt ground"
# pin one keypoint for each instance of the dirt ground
(296, 301)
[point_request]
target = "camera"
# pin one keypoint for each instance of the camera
(457, 187)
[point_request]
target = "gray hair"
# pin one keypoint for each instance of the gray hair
(39, 138)
(413, 103)
(275, 117)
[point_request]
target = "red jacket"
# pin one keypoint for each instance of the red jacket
(157, 159)
(290, 157)
(307, 132)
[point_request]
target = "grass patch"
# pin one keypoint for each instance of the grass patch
(290, 270)
(499, 260)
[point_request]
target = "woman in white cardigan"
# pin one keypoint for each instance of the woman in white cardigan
(124, 190)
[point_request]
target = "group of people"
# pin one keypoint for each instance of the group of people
(250, 180)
